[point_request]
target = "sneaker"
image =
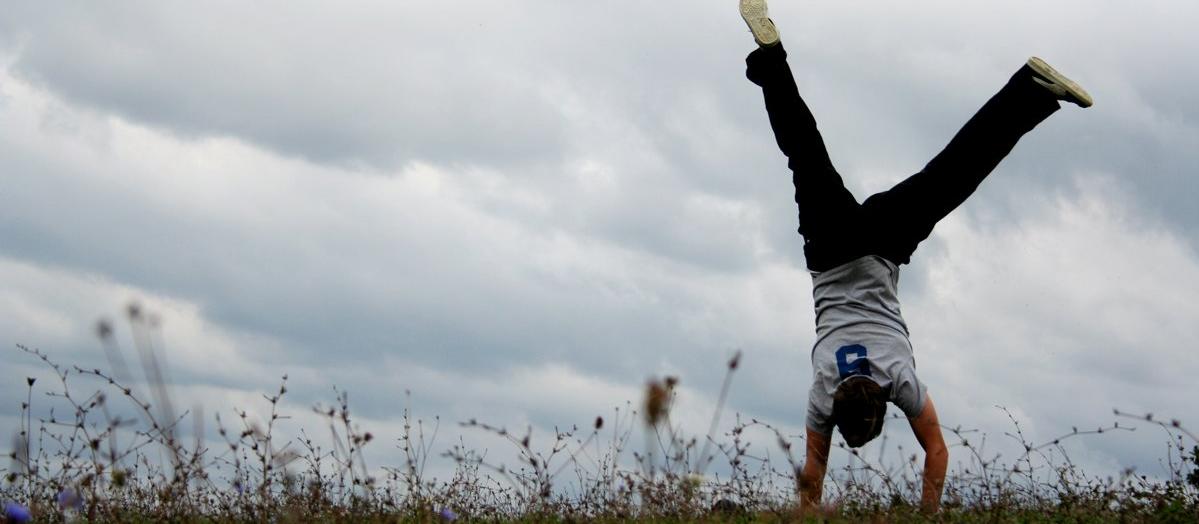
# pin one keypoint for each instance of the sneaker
(1055, 82)
(754, 13)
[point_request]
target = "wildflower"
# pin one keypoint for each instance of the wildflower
(14, 512)
(447, 515)
(69, 499)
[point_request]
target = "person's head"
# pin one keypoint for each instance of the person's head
(859, 408)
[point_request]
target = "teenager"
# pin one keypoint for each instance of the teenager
(862, 358)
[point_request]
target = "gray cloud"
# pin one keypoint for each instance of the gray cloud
(349, 88)
(413, 195)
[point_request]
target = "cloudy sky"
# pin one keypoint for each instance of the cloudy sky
(519, 211)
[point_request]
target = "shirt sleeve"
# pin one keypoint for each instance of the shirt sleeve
(820, 410)
(908, 392)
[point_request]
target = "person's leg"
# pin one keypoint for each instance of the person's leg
(903, 216)
(828, 212)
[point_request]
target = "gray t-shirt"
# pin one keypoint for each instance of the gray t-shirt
(860, 331)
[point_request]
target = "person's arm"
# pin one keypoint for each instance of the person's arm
(936, 457)
(811, 480)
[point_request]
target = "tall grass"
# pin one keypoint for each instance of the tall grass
(86, 460)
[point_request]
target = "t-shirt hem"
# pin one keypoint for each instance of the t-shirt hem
(827, 433)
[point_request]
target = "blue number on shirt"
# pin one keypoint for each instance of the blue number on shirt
(857, 365)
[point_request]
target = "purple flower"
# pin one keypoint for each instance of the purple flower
(69, 499)
(14, 512)
(447, 515)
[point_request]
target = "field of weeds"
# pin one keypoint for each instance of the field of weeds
(116, 455)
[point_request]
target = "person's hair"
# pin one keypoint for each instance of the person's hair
(859, 408)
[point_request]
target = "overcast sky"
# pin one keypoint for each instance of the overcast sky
(519, 211)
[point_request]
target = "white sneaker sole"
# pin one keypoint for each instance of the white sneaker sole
(1059, 84)
(758, 19)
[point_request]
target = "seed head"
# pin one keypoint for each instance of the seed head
(657, 398)
(103, 329)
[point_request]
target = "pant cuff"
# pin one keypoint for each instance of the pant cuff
(764, 61)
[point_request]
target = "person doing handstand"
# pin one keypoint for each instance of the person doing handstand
(862, 357)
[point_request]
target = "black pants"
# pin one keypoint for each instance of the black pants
(835, 227)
